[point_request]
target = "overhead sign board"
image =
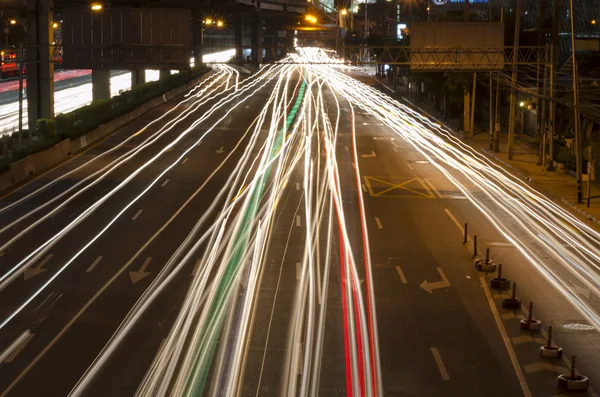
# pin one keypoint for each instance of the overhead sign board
(456, 46)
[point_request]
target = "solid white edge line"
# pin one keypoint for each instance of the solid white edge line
(440, 363)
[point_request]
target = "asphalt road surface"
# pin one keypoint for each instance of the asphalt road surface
(268, 235)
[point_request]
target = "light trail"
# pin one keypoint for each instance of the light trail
(296, 136)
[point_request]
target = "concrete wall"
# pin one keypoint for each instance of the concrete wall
(22, 169)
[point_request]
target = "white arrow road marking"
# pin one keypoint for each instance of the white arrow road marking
(370, 155)
(541, 366)
(34, 271)
(440, 363)
(93, 265)
(429, 287)
(220, 150)
(378, 221)
(137, 276)
(15, 348)
(401, 274)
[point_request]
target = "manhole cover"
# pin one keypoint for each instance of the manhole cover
(573, 326)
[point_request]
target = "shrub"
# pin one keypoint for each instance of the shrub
(46, 128)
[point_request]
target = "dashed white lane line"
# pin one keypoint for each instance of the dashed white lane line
(196, 267)
(137, 214)
(379, 225)
(93, 265)
(401, 274)
(165, 182)
(364, 188)
(184, 160)
(297, 186)
(410, 167)
(298, 222)
(13, 350)
(395, 149)
(440, 363)
(298, 270)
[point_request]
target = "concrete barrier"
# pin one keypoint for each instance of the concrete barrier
(26, 167)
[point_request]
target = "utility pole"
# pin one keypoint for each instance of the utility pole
(542, 108)
(513, 92)
(497, 118)
(576, 106)
(491, 90)
(553, 64)
(590, 173)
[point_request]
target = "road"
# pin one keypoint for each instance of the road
(285, 233)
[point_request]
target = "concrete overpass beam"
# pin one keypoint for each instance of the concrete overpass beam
(100, 84)
(40, 70)
(164, 74)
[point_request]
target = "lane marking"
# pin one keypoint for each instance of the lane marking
(432, 186)
(517, 340)
(395, 149)
(457, 223)
(93, 265)
(410, 167)
(142, 273)
(440, 363)
(196, 267)
(136, 215)
(509, 348)
(364, 188)
(505, 244)
(297, 186)
(18, 346)
(298, 270)
(298, 220)
(379, 225)
(165, 183)
(184, 160)
(401, 274)
(538, 367)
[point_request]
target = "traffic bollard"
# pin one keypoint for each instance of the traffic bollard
(529, 323)
(466, 234)
(499, 282)
(572, 381)
(550, 351)
(513, 302)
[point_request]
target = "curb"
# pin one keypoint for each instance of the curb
(582, 212)
(520, 173)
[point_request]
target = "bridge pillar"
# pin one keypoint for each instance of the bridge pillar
(40, 70)
(197, 42)
(164, 74)
(100, 84)
(239, 38)
(257, 38)
(138, 77)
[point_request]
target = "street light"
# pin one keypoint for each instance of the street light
(344, 12)
(13, 21)
(594, 22)
(55, 25)
(208, 21)
(220, 24)
(311, 18)
(96, 7)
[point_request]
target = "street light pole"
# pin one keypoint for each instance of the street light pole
(21, 63)
(578, 142)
